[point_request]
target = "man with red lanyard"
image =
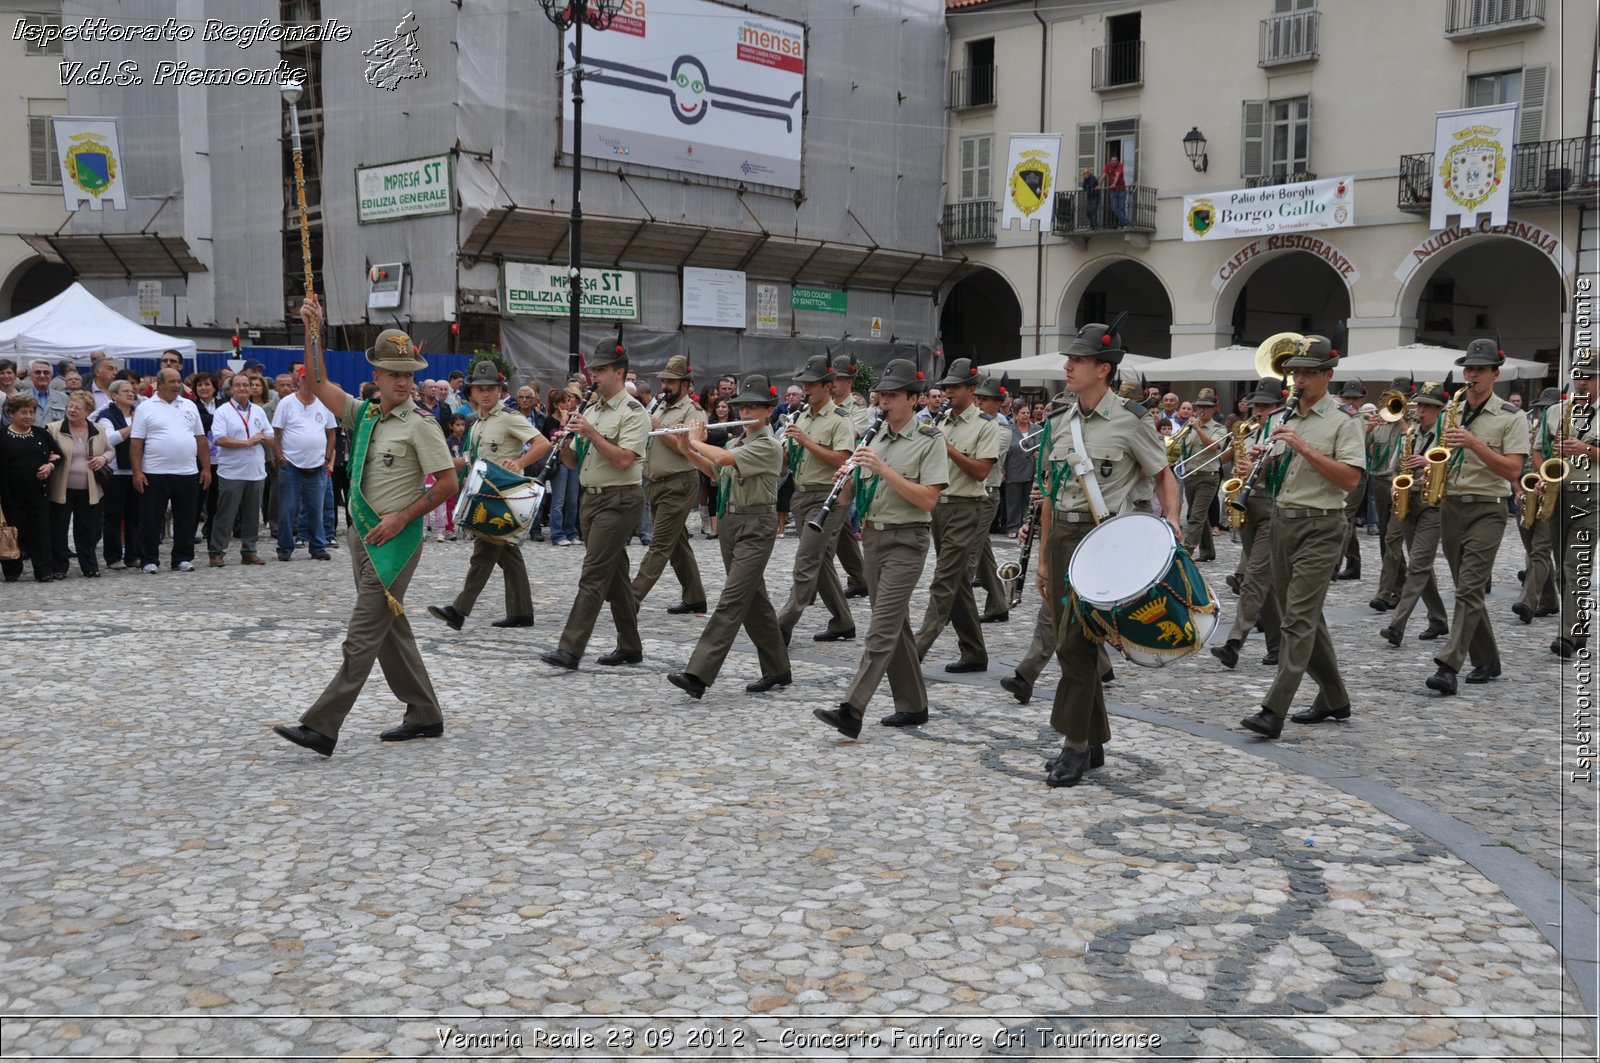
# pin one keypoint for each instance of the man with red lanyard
(242, 434)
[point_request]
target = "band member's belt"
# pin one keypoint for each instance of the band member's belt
(878, 525)
(949, 499)
(1298, 513)
(1476, 498)
(614, 487)
(768, 508)
(670, 476)
(1073, 517)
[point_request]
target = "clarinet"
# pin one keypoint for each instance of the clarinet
(1243, 496)
(1034, 515)
(552, 461)
(816, 522)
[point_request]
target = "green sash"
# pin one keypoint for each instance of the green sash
(389, 558)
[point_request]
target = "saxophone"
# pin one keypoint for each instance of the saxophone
(1404, 481)
(1553, 471)
(1439, 457)
(1233, 485)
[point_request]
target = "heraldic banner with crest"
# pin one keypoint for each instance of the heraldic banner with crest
(1472, 164)
(1032, 165)
(91, 163)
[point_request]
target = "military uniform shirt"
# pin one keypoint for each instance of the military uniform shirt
(752, 479)
(622, 421)
(500, 437)
(661, 460)
(918, 454)
(1008, 437)
(1121, 448)
(1502, 427)
(1333, 432)
(977, 435)
(832, 429)
(406, 445)
(860, 415)
(1384, 437)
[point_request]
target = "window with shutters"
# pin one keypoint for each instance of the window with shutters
(976, 165)
(1486, 90)
(1275, 141)
(31, 45)
(42, 163)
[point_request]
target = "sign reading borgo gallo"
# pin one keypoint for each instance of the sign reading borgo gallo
(411, 188)
(694, 86)
(1299, 207)
(538, 289)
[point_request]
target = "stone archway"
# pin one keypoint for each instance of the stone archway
(1105, 288)
(1300, 292)
(32, 284)
(982, 318)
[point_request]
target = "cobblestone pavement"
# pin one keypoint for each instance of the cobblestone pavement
(592, 863)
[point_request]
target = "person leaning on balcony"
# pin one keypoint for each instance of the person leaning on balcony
(1113, 180)
(1091, 197)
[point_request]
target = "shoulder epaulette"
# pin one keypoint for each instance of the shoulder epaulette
(634, 404)
(841, 411)
(986, 416)
(929, 430)
(1508, 407)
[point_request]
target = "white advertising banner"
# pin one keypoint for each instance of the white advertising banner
(1032, 164)
(91, 163)
(538, 289)
(713, 297)
(1472, 164)
(694, 86)
(412, 188)
(1250, 212)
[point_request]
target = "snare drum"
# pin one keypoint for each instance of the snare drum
(496, 504)
(1133, 586)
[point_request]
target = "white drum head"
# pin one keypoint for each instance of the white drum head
(471, 485)
(1121, 559)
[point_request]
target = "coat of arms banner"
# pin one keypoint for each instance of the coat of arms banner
(1472, 164)
(1032, 164)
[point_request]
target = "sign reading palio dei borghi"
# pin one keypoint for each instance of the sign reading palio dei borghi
(1297, 207)
(543, 289)
(411, 188)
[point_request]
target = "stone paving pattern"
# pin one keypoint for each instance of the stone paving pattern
(596, 856)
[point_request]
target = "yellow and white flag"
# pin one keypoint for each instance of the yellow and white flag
(1032, 164)
(91, 162)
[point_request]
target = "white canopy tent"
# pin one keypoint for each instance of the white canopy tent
(1424, 362)
(1236, 362)
(75, 324)
(1051, 367)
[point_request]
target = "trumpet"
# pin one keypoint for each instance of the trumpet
(687, 425)
(1433, 476)
(1392, 405)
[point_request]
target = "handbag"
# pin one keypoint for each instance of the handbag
(10, 548)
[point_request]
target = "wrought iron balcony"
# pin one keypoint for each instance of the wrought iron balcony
(1279, 176)
(1289, 38)
(969, 222)
(1541, 171)
(973, 87)
(1478, 18)
(1080, 213)
(1117, 66)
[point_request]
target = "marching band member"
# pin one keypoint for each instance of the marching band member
(1201, 485)
(898, 480)
(1487, 447)
(605, 441)
(1419, 531)
(1122, 448)
(849, 549)
(997, 596)
(504, 436)
(746, 473)
(672, 490)
(1539, 542)
(974, 444)
(1315, 460)
(1577, 506)
(1258, 599)
(819, 440)
(1355, 502)
(1383, 440)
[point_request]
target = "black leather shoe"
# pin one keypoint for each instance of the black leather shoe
(1108, 677)
(1522, 575)
(1019, 687)
(1378, 605)
(685, 608)
(994, 618)
(1097, 758)
(559, 658)
(834, 636)
(1318, 715)
(305, 736)
(688, 684)
(407, 731)
(514, 621)
(1444, 681)
(841, 719)
(855, 592)
(1563, 647)
(766, 683)
(1263, 723)
(905, 719)
(1483, 675)
(1227, 653)
(1235, 584)
(1270, 659)
(1392, 636)
(967, 666)
(324, 556)
(1432, 632)
(616, 657)
(1348, 572)
(448, 614)
(1524, 612)
(1069, 768)
(1548, 610)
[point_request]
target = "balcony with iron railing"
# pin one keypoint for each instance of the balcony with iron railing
(1097, 213)
(1479, 18)
(968, 222)
(973, 87)
(1288, 38)
(1117, 66)
(1541, 171)
(1279, 175)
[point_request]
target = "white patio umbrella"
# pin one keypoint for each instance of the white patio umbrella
(1050, 367)
(1236, 362)
(1422, 361)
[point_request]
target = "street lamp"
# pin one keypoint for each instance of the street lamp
(574, 15)
(1194, 146)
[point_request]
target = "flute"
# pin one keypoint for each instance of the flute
(719, 424)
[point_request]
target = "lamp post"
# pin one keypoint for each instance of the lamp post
(574, 15)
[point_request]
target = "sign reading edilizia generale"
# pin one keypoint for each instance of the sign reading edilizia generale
(1291, 208)
(411, 188)
(539, 289)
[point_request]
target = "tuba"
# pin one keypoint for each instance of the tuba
(1439, 457)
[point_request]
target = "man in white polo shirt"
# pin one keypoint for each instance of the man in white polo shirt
(243, 436)
(171, 465)
(304, 428)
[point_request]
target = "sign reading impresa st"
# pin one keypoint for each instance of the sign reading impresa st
(1297, 207)
(538, 289)
(412, 188)
(697, 87)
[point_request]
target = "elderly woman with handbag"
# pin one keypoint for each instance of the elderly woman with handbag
(28, 454)
(76, 487)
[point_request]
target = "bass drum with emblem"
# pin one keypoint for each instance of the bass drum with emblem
(1131, 585)
(496, 504)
